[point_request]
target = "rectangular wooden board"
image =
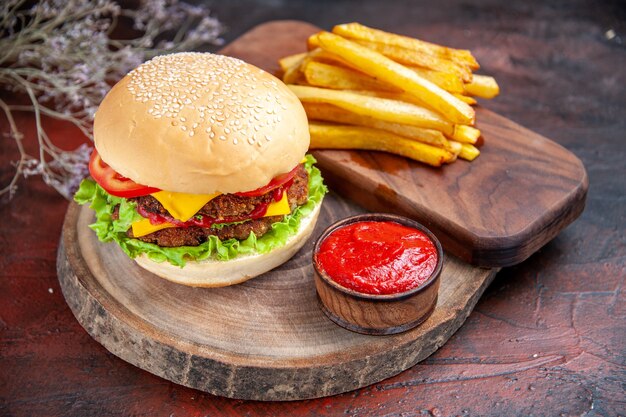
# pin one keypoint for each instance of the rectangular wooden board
(496, 211)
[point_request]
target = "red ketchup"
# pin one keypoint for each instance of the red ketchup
(378, 257)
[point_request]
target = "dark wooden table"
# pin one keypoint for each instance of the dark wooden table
(547, 338)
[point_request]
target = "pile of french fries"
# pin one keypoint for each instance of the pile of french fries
(363, 88)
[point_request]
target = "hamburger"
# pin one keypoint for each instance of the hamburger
(200, 171)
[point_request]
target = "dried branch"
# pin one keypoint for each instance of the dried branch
(60, 54)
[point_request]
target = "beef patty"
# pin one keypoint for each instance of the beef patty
(225, 205)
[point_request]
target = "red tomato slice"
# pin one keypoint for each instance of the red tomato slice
(276, 182)
(114, 183)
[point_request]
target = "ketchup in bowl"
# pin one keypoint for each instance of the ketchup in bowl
(377, 273)
(378, 257)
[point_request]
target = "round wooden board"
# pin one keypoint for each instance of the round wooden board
(265, 339)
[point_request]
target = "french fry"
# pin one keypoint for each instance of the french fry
(465, 134)
(449, 82)
(291, 60)
(404, 97)
(390, 93)
(482, 86)
(324, 136)
(338, 78)
(312, 42)
(330, 113)
(325, 57)
(383, 68)
(409, 57)
(468, 152)
(358, 31)
(454, 147)
(452, 83)
(380, 108)
(466, 99)
(293, 75)
(319, 55)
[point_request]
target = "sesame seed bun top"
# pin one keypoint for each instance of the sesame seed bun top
(200, 123)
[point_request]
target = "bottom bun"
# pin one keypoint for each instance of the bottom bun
(214, 273)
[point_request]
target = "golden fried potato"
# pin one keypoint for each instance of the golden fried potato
(468, 152)
(380, 108)
(389, 92)
(359, 31)
(465, 134)
(466, 99)
(325, 136)
(291, 60)
(452, 83)
(383, 68)
(330, 113)
(409, 57)
(482, 86)
(339, 78)
(293, 75)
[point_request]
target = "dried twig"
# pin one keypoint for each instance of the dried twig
(59, 54)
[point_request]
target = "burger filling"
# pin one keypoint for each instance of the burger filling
(177, 228)
(228, 216)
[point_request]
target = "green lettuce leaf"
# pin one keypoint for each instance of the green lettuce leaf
(107, 229)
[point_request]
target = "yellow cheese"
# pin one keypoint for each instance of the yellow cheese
(183, 206)
(144, 227)
(276, 208)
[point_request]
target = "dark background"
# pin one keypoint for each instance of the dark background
(547, 338)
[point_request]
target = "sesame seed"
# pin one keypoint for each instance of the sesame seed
(194, 84)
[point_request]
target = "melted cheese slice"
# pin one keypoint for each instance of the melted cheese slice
(144, 227)
(276, 208)
(183, 206)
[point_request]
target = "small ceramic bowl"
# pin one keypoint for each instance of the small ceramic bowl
(371, 313)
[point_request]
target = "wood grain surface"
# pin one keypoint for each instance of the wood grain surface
(497, 211)
(546, 338)
(265, 339)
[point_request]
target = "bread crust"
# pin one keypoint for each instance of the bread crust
(201, 123)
